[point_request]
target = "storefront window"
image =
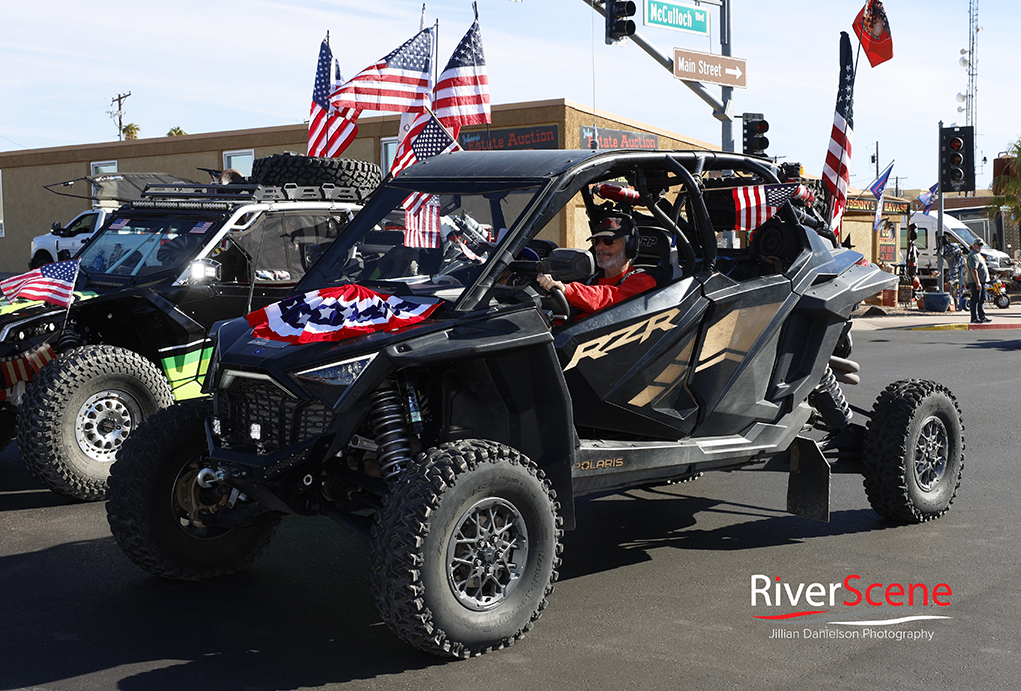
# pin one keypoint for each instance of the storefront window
(240, 161)
(101, 167)
(387, 149)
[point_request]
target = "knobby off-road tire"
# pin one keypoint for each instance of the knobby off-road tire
(154, 497)
(280, 169)
(914, 451)
(465, 550)
(78, 411)
(1002, 301)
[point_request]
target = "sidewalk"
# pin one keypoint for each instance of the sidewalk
(915, 319)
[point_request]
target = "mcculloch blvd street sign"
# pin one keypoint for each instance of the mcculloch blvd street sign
(709, 68)
(677, 16)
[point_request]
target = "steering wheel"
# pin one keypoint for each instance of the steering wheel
(561, 306)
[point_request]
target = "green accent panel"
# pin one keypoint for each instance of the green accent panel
(186, 372)
(192, 389)
(7, 307)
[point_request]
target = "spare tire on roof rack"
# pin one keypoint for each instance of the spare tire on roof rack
(310, 171)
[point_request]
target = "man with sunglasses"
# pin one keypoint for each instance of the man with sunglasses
(614, 244)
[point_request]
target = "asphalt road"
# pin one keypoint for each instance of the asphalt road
(655, 590)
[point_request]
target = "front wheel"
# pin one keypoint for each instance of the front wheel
(160, 513)
(79, 410)
(41, 258)
(1002, 301)
(914, 451)
(465, 551)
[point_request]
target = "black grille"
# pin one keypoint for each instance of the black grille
(285, 420)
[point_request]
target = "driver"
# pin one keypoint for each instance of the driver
(614, 244)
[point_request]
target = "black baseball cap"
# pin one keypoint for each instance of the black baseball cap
(613, 226)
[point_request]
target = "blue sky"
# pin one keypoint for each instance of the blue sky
(208, 67)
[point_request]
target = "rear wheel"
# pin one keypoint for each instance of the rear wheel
(914, 451)
(465, 551)
(78, 411)
(162, 516)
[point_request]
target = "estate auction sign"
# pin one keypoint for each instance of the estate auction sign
(616, 139)
(538, 137)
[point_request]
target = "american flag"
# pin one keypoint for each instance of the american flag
(401, 82)
(329, 130)
(333, 314)
(24, 366)
(427, 138)
(52, 283)
(836, 170)
(756, 204)
(422, 226)
(462, 92)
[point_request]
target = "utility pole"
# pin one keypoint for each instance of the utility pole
(118, 114)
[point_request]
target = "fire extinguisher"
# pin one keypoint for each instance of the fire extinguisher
(623, 195)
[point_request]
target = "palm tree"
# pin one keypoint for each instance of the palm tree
(175, 132)
(130, 130)
(1007, 187)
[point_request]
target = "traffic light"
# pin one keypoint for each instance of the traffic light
(957, 159)
(755, 128)
(619, 24)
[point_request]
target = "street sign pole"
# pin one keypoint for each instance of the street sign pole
(721, 111)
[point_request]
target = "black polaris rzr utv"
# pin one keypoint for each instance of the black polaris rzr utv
(456, 446)
(165, 267)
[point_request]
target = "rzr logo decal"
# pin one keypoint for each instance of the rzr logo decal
(638, 332)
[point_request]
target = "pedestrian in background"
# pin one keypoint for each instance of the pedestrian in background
(976, 278)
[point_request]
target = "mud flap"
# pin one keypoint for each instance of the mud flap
(808, 489)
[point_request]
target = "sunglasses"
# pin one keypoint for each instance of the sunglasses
(606, 241)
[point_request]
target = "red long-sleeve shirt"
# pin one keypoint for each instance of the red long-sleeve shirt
(607, 291)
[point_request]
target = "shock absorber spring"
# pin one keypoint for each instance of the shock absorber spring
(829, 400)
(390, 427)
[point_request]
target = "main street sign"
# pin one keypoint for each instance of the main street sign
(709, 68)
(679, 17)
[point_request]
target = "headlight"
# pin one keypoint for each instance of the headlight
(339, 373)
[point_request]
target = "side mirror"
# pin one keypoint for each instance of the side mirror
(63, 255)
(203, 271)
(55, 227)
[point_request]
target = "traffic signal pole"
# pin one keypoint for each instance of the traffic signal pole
(727, 92)
(722, 109)
(939, 216)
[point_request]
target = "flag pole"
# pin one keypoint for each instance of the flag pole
(843, 134)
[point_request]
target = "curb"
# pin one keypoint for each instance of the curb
(963, 327)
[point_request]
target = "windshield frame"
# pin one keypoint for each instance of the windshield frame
(185, 217)
(389, 197)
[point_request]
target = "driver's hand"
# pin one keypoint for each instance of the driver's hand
(548, 283)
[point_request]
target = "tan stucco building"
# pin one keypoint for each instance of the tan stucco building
(27, 209)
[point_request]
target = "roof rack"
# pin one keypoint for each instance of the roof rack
(255, 193)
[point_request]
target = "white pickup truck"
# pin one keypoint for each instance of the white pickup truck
(45, 248)
(107, 192)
